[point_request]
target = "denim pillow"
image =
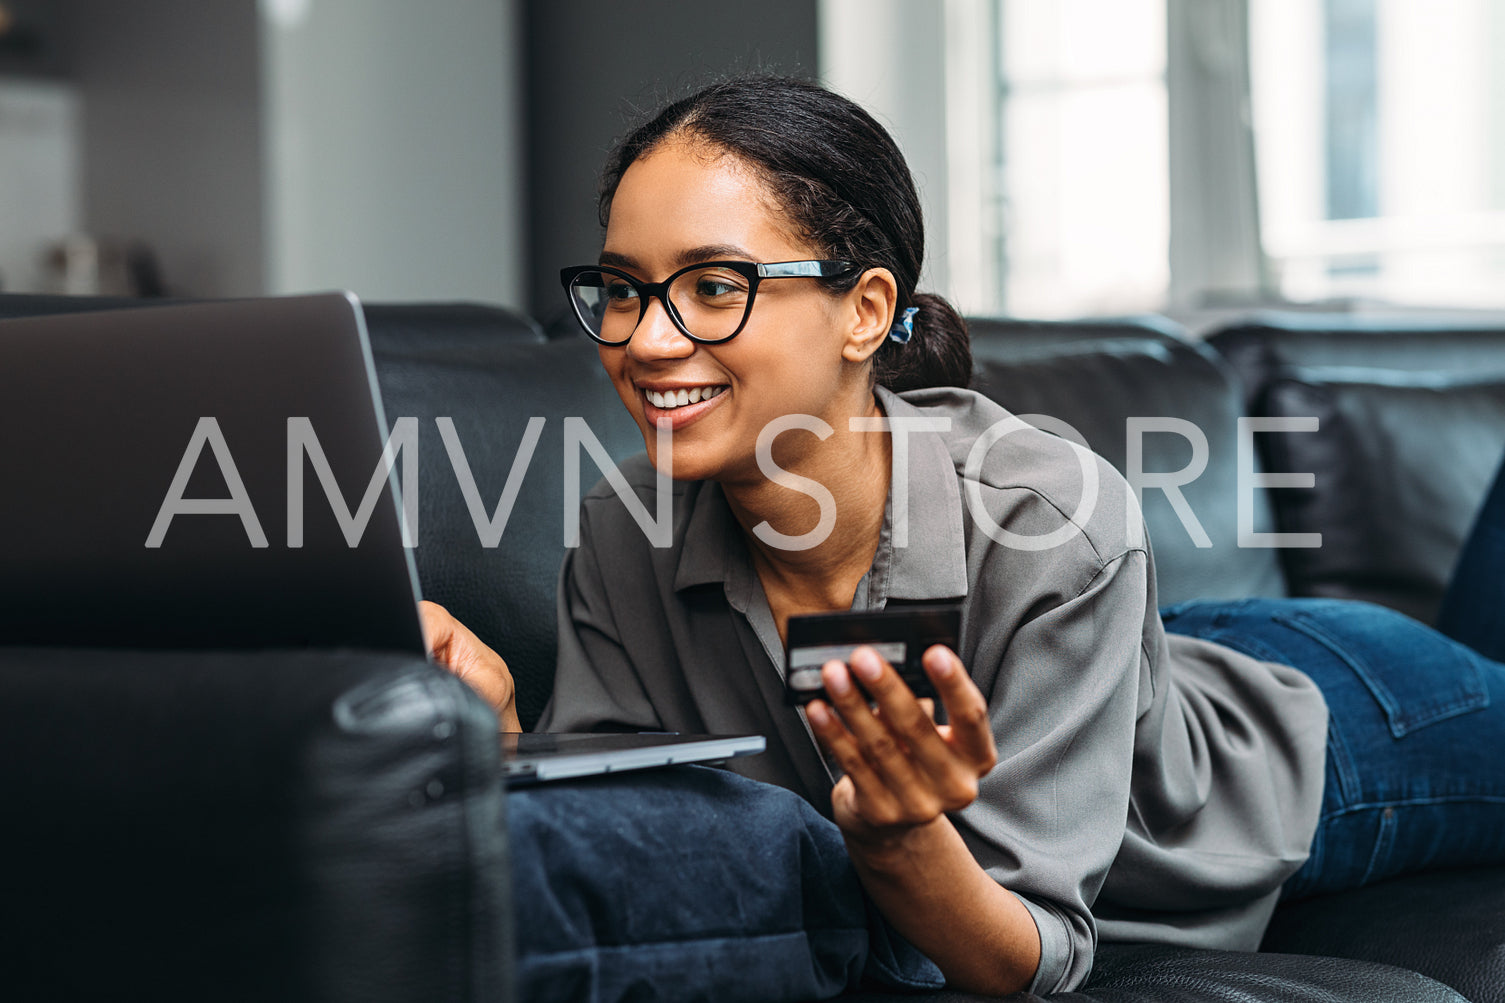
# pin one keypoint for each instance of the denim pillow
(691, 883)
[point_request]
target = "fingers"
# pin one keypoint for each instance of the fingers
(903, 769)
(842, 745)
(899, 712)
(970, 732)
(884, 745)
(437, 624)
(864, 801)
(454, 647)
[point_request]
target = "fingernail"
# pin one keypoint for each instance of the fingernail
(816, 712)
(865, 664)
(942, 664)
(837, 680)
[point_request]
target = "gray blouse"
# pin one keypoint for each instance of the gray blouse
(1149, 787)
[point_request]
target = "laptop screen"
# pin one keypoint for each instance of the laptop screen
(201, 475)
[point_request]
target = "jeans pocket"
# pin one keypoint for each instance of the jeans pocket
(1416, 675)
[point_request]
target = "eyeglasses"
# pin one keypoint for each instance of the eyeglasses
(709, 301)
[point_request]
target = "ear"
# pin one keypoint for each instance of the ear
(871, 304)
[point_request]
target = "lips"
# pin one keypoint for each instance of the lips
(679, 406)
(670, 399)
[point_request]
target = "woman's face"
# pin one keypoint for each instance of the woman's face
(683, 203)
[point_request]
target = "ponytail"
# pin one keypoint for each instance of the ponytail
(938, 353)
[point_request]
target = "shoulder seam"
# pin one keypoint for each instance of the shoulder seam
(1096, 553)
(1105, 565)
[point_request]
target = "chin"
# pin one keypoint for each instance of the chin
(684, 468)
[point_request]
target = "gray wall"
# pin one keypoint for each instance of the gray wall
(394, 150)
(380, 145)
(281, 147)
(170, 104)
(594, 67)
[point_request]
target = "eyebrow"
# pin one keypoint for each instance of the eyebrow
(705, 252)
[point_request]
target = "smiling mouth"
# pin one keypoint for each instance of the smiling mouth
(668, 400)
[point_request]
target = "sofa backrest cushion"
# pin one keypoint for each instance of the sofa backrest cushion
(390, 325)
(1401, 461)
(1262, 345)
(1096, 377)
(492, 389)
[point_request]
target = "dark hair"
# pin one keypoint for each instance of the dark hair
(843, 184)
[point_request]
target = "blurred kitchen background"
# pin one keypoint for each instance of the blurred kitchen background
(1076, 157)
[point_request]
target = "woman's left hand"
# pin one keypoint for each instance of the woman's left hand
(902, 770)
(453, 646)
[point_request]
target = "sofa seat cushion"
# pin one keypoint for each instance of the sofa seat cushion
(1148, 973)
(1402, 463)
(1449, 925)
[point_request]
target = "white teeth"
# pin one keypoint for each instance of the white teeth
(680, 398)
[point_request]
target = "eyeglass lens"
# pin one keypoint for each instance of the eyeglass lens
(711, 303)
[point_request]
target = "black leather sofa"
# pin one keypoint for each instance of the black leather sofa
(325, 825)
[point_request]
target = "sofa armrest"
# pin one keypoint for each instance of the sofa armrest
(249, 825)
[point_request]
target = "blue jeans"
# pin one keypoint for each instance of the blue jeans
(1415, 773)
(691, 883)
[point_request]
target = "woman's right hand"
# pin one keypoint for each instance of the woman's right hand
(453, 646)
(901, 771)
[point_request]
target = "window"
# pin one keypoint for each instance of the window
(1081, 156)
(1380, 143)
(1321, 149)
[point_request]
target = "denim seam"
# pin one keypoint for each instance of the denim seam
(1399, 723)
(798, 928)
(1347, 771)
(1417, 803)
(733, 938)
(1250, 646)
(1384, 842)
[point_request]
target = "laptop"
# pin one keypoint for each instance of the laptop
(537, 758)
(194, 476)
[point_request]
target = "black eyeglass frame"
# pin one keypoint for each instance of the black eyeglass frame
(754, 272)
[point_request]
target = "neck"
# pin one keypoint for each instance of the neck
(855, 467)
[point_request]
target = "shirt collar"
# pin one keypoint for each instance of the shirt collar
(932, 566)
(712, 536)
(934, 563)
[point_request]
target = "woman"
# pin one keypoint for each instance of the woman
(1098, 776)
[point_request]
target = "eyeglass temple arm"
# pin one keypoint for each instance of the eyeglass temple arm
(804, 269)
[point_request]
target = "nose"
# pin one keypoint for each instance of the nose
(656, 337)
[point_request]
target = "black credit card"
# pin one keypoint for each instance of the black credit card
(899, 635)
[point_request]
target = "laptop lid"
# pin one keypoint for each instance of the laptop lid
(201, 475)
(536, 758)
